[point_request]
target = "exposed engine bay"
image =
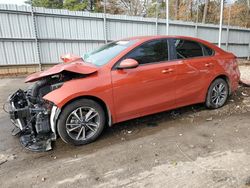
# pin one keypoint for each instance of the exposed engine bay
(34, 117)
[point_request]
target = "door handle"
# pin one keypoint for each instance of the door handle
(208, 64)
(167, 71)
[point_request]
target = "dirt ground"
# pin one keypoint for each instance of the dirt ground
(187, 147)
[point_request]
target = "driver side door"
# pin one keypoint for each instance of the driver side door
(148, 88)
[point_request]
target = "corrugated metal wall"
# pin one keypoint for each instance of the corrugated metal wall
(41, 35)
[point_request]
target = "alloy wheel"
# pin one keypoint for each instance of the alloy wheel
(82, 123)
(219, 94)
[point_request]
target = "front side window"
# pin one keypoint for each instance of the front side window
(187, 49)
(150, 52)
(105, 53)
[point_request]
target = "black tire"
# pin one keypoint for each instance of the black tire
(210, 99)
(66, 114)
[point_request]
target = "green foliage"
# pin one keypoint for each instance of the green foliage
(151, 10)
(75, 4)
(46, 3)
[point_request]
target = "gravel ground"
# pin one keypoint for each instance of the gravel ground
(245, 71)
(187, 147)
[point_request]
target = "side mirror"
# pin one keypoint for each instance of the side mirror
(128, 64)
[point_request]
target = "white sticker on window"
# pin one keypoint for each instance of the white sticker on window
(122, 42)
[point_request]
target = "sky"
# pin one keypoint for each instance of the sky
(17, 2)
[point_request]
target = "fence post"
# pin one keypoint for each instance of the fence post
(197, 19)
(227, 42)
(105, 23)
(221, 19)
(248, 58)
(228, 24)
(156, 17)
(167, 17)
(36, 38)
(196, 30)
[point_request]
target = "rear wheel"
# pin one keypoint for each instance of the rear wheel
(81, 122)
(217, 94)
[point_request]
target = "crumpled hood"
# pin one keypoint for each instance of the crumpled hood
(75, 67)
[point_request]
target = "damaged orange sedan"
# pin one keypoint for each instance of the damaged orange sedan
(121, 80)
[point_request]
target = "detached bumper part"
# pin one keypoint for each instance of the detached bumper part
(32, 122)
(245, 82)
(35, 143)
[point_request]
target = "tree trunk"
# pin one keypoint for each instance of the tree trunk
(205, 11)
(176, 13)
(248, 10)
(191, 9)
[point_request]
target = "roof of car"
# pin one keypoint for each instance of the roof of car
(159, 36)
(146, 38)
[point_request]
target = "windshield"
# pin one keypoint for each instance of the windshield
(105, 53)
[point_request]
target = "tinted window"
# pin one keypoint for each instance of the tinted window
(187, 49)
(208, 51)
(154, 51)
(105, 53)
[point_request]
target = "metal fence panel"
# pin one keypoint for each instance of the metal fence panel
(239, 36)
(240, 50)
(51, 51)
(181, 30)
(20, 52)
(62, 31)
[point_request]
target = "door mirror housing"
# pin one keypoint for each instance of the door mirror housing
(128, 64)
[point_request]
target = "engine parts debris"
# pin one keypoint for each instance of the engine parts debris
(34, 117)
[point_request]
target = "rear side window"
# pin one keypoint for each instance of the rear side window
(187, 49)
(150, 52)
(208, 51)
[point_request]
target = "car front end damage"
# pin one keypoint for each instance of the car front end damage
(35, 117)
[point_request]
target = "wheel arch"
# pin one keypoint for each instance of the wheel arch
(224, 77)
(104, 106)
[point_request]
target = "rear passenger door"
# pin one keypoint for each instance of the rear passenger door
(194, 70)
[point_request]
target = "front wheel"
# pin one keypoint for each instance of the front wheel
(81, 122)
(217, 94)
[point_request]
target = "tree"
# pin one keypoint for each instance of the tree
(46, 3)
(112, 7)
(75, 4)
(191, 9)
(176, 12)
(151, 9)
(185, 10)
(205, 11)
(240, 14)
(133, 7)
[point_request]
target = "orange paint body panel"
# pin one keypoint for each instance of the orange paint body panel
(76, 67)
(146, 89)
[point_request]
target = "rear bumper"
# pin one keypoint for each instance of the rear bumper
(235, 81)
(234, 85)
